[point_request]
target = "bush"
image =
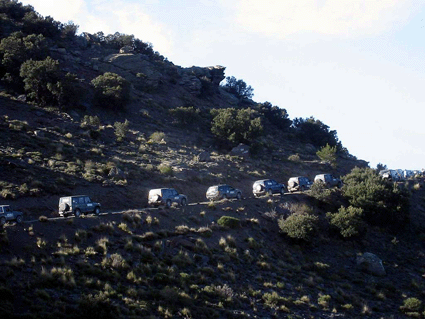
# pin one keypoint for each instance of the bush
(347, 220)
(42, 81)
(228, 221)
(275, 115)
(383, 203)
(411, 304)
(299, 225)
(238, 87)
(327, 154)
(236, 126)
(185, 115)
(121, 130)
(314, 131)
(319, 191)
(111, 91)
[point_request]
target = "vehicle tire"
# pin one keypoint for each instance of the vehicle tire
(184, 202)
(270, 192)
(77, 213)
(19, 219)
(328, 185)
(239, 196)
(224, 196)
(282, 191)
(97, 211)
(302, 188)
(339, 184)
(2, 221)
(168, 203)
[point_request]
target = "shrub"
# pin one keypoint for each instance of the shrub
(165, 170)
(314, 131)
(228, 221)
(327, 154)
(238, 87)
(111, 91)
(42, 80)
(411, 304)
(275, 115)
(236, 126)
(299, 225)
(319, 191)
(383, 203)
(157, 137)
(121, 130)
(185, 115)
(347, 220)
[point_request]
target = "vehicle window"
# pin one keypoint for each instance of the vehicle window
(87, 199)
(81, 200)
(7, 209)
(273, 182)
(74, 201)
(1, 209)
(174, 192)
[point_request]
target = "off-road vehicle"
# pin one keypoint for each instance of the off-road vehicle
(166, 196)
(299, 183)
(223, 192)
(267, 186)
(390, 175)
(77, 205)
(328, 180)
(7, 213)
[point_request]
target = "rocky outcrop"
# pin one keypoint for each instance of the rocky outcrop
(240, 150)
(192, 78)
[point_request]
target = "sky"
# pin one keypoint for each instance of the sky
(356, 65)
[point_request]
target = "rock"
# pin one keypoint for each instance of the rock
(192, 84)
(240, 150)
(371, 264)
(22, 98)
(204, 157)
(116, 173)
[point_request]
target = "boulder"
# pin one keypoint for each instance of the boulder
(371, 264)
(192, 84)
(240, 150)
(204, 157)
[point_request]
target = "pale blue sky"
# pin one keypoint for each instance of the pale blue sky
(357, 65)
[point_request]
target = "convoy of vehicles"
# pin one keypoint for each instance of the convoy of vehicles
(82, 204)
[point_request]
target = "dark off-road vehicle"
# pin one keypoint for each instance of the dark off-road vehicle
(77, 205)
(166, 196)
(7, 213)
(267, 186)
(223, 192)
(299, 183)
(328, 180)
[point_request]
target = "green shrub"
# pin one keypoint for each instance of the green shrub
(327, 154)
(383, 203)
(121, 130)
(185, 115)
(238, 87)
(236, 126)
(165, 170)
(111, 91)
(347, 220)
(299, 225)
(228, 221)
(157, 137)
(313, 131)
(319, 191)
(411, 304)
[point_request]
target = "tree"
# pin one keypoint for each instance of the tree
(327, 154)
(111, 90)
(42, 80)
(383, 203)
(277, 116)
(238, 88)
(314, 131)
(15, 50)
(236, 126)
(381, 167)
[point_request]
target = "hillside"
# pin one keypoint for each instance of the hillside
(182, 128)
